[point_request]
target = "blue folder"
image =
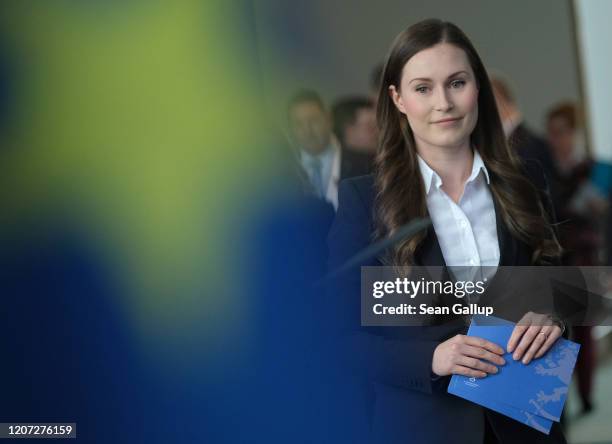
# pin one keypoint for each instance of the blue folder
(533, 394)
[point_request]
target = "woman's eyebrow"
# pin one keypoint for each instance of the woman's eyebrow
(425, 79)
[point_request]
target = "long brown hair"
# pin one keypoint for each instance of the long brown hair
(400, 190)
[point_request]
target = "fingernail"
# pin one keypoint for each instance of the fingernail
(525, 361)
(515, 356)
(502, 362)
(495, 369)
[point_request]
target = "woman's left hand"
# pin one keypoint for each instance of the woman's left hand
(533, 335)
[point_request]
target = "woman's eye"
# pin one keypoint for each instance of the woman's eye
(421, 89)
(457, 83)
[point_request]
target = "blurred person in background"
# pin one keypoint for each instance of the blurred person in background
(564, 136)
(355, 124)
(579, 235)
(285, 255)
(525, 142)
(320, 154)
(578, 231)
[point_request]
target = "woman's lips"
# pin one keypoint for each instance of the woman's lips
(448, 122)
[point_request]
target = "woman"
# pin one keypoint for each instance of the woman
(443, 154)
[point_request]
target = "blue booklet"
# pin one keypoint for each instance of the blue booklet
(533, 394)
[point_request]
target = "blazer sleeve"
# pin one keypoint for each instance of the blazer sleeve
(370, 351)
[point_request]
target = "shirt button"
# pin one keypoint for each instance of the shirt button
(463, 224)
(472, 262)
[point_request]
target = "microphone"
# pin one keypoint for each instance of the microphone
(407, 231)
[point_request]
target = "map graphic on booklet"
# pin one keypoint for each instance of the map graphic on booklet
(533, 394)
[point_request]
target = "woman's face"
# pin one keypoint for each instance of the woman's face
(438, 95)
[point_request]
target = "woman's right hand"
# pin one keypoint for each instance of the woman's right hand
(467, 355)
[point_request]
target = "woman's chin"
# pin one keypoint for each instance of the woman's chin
(451, 142)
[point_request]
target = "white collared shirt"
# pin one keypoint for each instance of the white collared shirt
(330, 159)
(467, 231)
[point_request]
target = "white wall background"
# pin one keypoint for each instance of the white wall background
(595, 44)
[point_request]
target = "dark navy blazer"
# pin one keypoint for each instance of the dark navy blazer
(402, 402)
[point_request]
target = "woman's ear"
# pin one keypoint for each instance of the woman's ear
(397, 99)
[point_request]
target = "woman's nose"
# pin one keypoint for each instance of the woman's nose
(443, 101)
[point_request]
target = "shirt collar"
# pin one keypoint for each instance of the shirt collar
(431, 177)
(326, 155)
(477, 166)
(428, 175)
